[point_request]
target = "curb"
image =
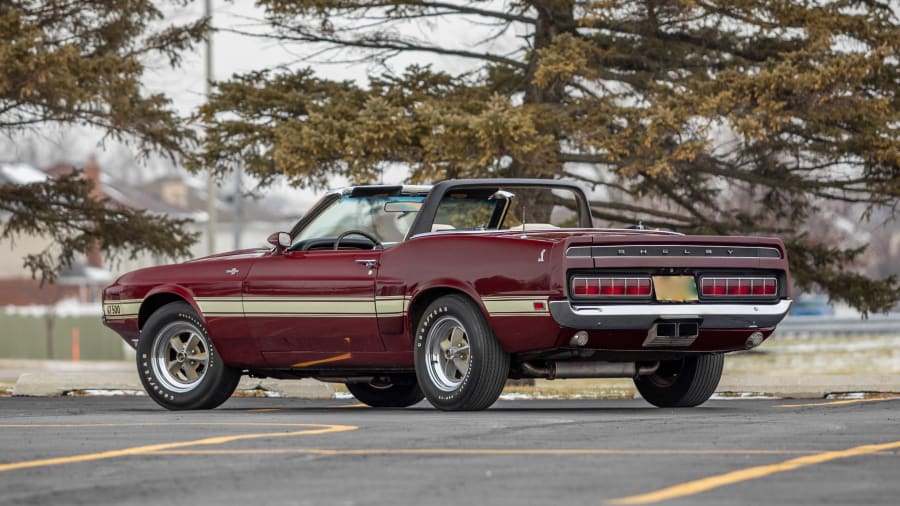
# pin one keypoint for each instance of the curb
(55, 384)
(50, 384)
(808, 387)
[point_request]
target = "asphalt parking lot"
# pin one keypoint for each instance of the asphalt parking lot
(126, 450)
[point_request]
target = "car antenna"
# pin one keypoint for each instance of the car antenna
(523, 214)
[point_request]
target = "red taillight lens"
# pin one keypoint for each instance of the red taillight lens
(738, 287)
(583, 286)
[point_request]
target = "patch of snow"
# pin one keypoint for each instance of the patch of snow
(848, 396)
(856, 344)
(518, 396)
(343, 395)
(741, 396)
(106, 393)
(65, 307)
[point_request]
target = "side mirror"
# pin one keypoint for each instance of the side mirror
(281, 241)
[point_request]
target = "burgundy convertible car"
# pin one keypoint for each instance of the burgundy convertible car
(445, 292)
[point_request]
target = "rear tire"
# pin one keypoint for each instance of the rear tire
(683, 383)
(459, 363)
(178, 364)
(396, 394)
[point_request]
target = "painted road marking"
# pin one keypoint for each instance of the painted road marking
(146, 424)
(484, 451)
(751, 473)
(148, 449)
(838, 403)
(357, 405)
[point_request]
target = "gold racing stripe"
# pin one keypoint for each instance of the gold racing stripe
(221, 305)
(324, 307)
(305, 307)
(391, 305)
(302, 307)
(516, 306)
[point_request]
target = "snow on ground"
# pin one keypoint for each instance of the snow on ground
(65, 307)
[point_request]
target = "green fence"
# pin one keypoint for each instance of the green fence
(26, 337)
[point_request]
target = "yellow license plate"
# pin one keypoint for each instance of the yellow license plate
(675, 288)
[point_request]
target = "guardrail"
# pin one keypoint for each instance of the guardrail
(816, 325)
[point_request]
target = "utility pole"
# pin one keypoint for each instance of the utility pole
(238, 207)
(211, 188)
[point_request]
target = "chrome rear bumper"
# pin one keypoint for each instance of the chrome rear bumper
(642, 316)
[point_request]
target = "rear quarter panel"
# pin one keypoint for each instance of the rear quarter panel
(503, 276)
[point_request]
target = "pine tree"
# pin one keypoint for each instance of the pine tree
(81, 62)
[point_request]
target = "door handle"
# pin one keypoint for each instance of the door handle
(367, 263)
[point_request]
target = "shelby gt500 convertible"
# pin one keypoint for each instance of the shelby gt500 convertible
(445, 292)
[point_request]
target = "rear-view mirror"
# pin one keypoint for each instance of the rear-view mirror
(281, 240)
(401, 206)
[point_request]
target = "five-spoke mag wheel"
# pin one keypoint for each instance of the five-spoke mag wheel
(181, 360)
(448, 353)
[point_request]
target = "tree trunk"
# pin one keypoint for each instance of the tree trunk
(554, 18)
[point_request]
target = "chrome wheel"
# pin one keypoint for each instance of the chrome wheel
(180, 356)
(448, 353)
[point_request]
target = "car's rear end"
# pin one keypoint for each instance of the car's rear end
(660, 308)
(645, 292)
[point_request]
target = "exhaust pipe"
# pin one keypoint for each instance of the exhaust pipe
(673, 333)
(555, 370)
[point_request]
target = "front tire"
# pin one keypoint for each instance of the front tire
(393, 394)
(683, 383)
(178, 364)
(459, 363)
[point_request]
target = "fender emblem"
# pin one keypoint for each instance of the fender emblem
(232, 271)
(541, 259)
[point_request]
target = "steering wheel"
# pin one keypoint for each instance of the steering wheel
(376, 244)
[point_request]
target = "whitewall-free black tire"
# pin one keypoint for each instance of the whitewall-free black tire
(459, 363)
(683, 383)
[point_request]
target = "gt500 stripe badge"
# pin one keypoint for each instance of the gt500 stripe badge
(121, 309)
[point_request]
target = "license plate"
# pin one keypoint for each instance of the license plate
(675, 288)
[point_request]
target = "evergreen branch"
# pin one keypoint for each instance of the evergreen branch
(378, 44)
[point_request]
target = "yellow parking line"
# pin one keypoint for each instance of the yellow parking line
(750, 473)
(357, 405)
(145, 424)
(148, 449)
(838, 403)
(478, 451)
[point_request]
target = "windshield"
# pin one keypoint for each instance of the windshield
(387, 218)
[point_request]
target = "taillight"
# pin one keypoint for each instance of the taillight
(583, 286)
(738, 287)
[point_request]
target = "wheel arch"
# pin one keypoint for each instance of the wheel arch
(424, 298)
(162, 296)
